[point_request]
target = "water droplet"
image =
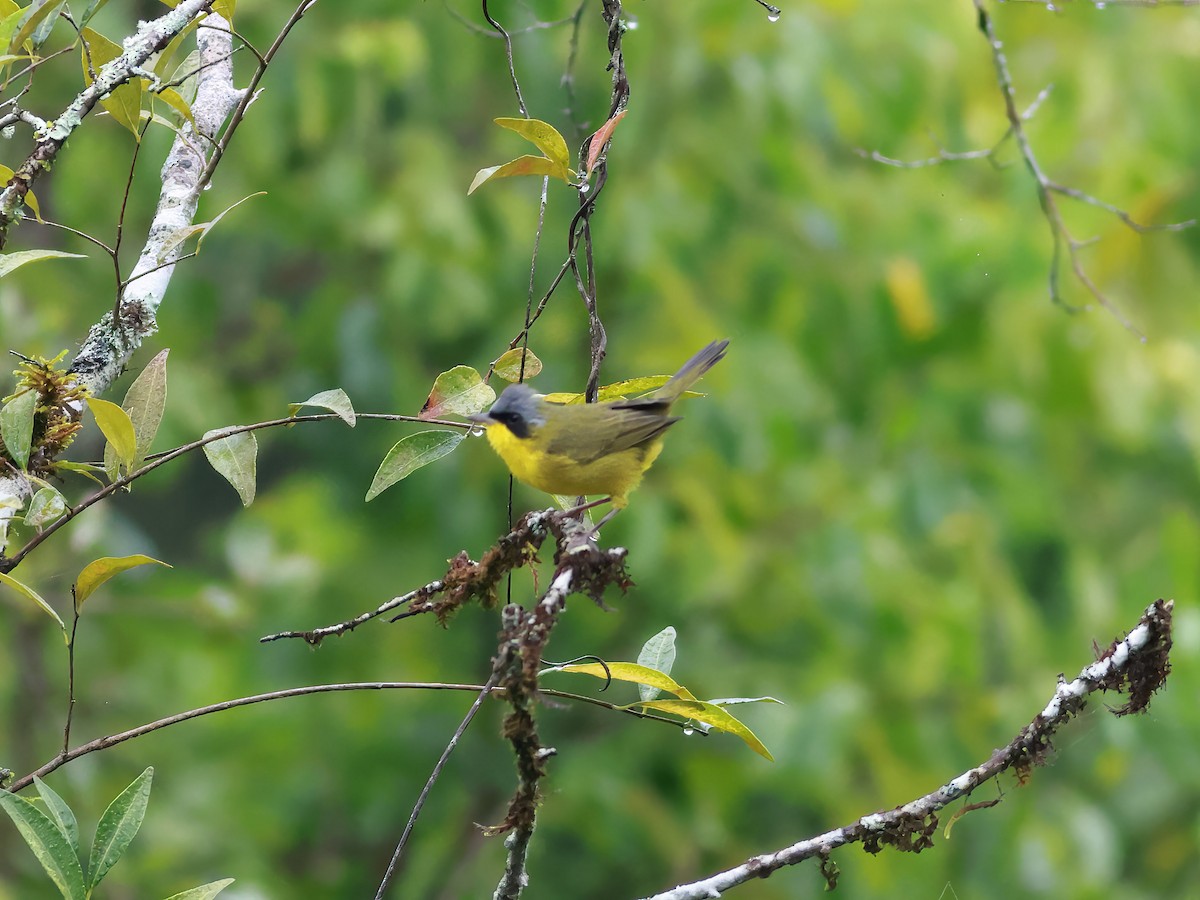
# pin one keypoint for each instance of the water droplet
(773, 13)
(688, 732)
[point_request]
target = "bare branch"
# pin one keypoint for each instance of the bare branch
(1137, 664)
(508, 54)
(113, 739)
(149, 39)
(113, 340)
(433, 777)
(7, 564)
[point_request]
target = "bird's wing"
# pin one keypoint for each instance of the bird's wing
(591, 432)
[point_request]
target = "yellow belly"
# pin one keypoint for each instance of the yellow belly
(616, 474)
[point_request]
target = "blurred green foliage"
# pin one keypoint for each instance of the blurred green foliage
(916, 492)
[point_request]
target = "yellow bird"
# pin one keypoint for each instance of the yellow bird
(588, 448)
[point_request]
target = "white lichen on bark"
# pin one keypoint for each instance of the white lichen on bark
(109, 344)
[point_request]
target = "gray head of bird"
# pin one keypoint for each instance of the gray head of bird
(518, 408)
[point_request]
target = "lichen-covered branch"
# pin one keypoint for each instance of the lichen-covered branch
(1136, 665)
(111, 342)
(138, 48)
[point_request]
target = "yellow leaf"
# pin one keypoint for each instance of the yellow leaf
(542, 135)
(125, 102)
(117, 427)
(910, 298)
(100, 570)
(710, 714)
(33, 595)
(523, 165)
(627, 671)
(508, 366)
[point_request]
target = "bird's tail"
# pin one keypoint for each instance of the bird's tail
(692, 371)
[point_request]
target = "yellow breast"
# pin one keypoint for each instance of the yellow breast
(615, 474)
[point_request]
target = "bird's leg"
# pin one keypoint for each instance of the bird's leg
(594, 534)
(584, 539)
(584, 507)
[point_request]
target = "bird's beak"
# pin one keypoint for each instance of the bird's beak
(484, 418)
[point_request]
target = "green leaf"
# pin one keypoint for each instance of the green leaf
(202, 229)
(118, 826)
(100, 570)
(167, 54)
(735, 701)
(144, 402)
(59, 813)
(709, 714)
(16, 426)
(125, 102)
(235, 459)
(658, 653)
(204, 892)
(522, 165)
(627, 671)
(84, 469)
(117, 427)
(619, 390)
(508, 366)
(36, 18)
(48, 844)
(542, 135)
(38, 601)
(335, 401)
(46, 506)
(225, 8)
(175, 100)
(186, 76)
(11, 261)
(42, 32)
(10, 18)
(93, 7)
(459, 391)
(410, 454)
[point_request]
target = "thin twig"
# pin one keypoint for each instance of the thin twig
(317, 635)
(1047, 188)
(9, 563)
(491, 33)
(429, 782)
(111, 740)
(508, 54)
(66, 745)
(116, 251)
(235, 119)
(151, 38)
(1064, 243)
